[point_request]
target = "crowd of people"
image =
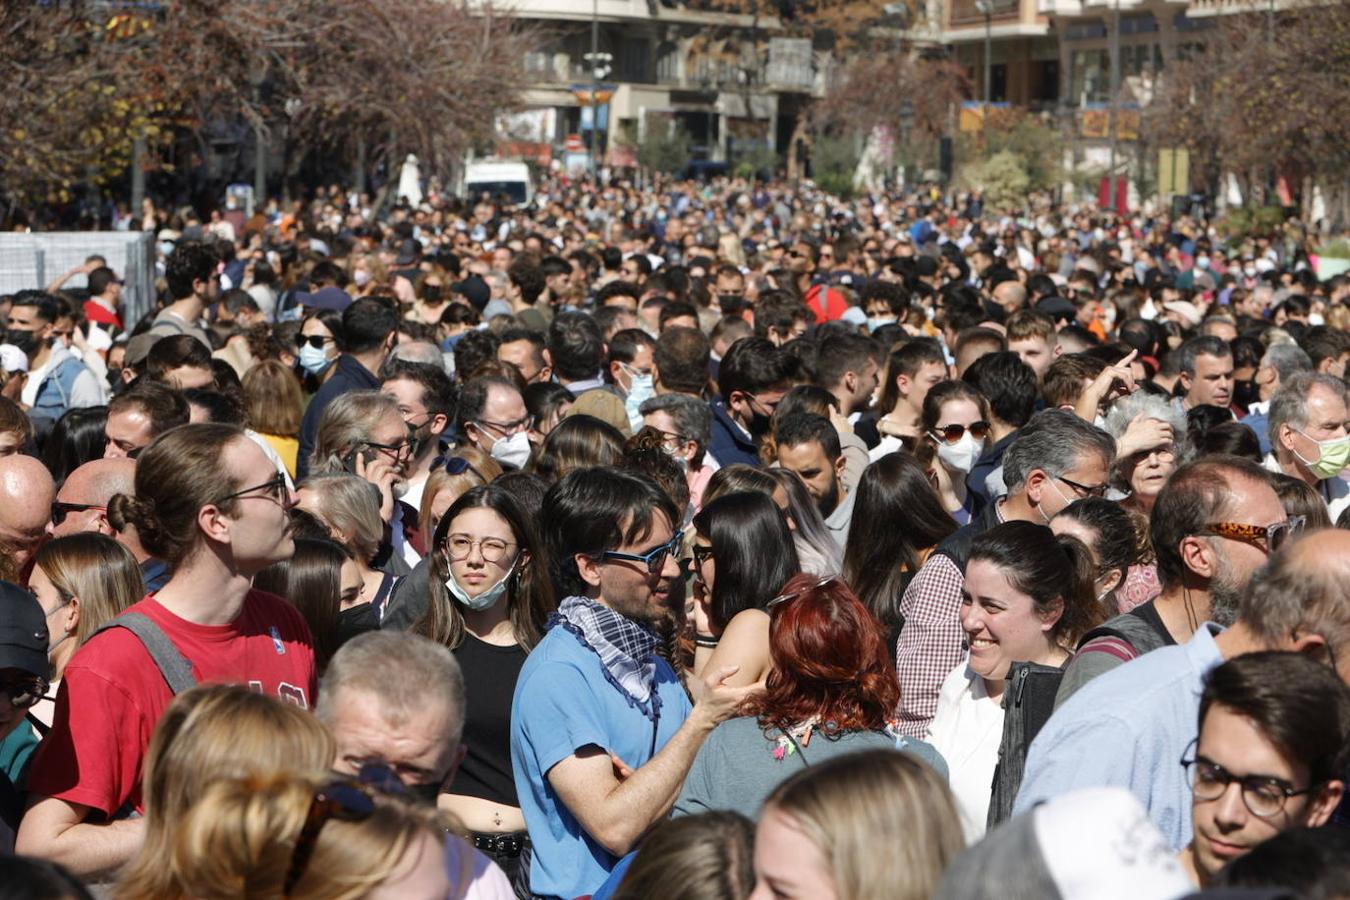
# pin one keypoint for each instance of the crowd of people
(704, 542)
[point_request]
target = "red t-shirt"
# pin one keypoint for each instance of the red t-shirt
(97, 312)
(827, 303)
(112, 694)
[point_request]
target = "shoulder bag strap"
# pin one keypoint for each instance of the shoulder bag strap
(172, 664)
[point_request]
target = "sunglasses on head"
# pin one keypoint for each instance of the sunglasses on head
(60, 510)
(344, 799)
(953, 433)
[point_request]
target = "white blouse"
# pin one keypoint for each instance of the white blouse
(966, 730)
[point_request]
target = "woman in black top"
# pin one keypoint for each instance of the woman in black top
(489, 600)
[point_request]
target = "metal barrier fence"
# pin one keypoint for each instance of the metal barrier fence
(31, 260)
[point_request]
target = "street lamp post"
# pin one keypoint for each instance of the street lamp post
(1111, 122)
(986, 8)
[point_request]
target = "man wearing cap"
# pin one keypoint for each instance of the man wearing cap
(474, 290)
(369, 333)
(192, 273)
(23, 682)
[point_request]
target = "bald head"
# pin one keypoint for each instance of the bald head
(93, 485)
(1011, 295)
(26, 494)
(1303, 595)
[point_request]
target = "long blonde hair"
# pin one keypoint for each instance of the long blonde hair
(238, 840)
(99, 571)
(885, 822)
(214, 731)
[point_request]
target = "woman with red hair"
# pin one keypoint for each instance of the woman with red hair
(832, 690)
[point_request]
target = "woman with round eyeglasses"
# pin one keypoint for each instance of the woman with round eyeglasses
(743, 555)
(489, 601)
(955, 424)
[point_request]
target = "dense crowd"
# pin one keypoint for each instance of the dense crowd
(705, 542)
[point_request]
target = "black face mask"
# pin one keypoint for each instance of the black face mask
(433, 294)
(357, 620)
(760, 426)
(26, 341)
(1246, 392)
(425, 793)
(730, 303)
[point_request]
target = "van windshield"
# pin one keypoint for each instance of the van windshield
(515, 190)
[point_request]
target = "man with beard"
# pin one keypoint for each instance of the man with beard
(602, 734)
(1203, 572)
(426, 400)
(753, 376)
(808, 445)
(1131, 727)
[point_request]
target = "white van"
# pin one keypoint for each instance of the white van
(496, 178)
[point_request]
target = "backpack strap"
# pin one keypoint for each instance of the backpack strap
(172, 664)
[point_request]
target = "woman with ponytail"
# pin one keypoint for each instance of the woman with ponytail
(832, 690)
(1029, 596)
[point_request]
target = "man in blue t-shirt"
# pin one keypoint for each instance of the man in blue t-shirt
(602, 734)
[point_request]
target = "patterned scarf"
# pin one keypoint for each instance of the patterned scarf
(625, 649)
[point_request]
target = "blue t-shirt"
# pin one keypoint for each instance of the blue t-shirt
(564, 703)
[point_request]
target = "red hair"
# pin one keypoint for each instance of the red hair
(830, 661)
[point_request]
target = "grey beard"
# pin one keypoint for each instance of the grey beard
(1225, 599)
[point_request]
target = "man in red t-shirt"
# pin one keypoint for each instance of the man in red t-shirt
(200, 506)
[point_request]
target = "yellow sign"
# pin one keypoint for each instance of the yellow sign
(1174, 171)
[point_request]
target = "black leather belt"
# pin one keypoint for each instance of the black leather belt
(508, 845)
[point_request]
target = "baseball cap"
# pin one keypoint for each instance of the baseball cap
(332, 298)
(12, 359)
(23, 631)
(409, 252)
(1057, 308)
(473, 289)
(1095, 843)
(1186, 309)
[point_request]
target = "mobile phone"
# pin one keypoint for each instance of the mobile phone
(349, 460)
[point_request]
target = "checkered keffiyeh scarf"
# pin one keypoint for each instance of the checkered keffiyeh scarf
(626, 649)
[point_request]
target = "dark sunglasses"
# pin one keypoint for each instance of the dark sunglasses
(953, 433)
(24, 692)
(344, 799)
(60, 510)
(314, 340)
(455, 465)
(702, 554)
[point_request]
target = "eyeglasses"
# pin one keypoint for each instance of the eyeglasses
(702, 553)
(347, 800)
(953, 433)
(654, 559)
(313, 340)
(774, 405)
(60, 510)
(24, 692)
(404, 450)
(508, 429)
(272, 489)
(459, 546)
(1263, 796)
(1268, 538)
(1087, 490)
(789, 597)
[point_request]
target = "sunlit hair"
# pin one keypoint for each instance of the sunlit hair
(831, 662)
(239, 838)
(483, 469)
(885, 822)
(702, 857)
(350, 505)
(272, 399)
(99, 571)
(209, 732)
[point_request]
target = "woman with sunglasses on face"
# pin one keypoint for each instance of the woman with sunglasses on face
(743, 555)
(955, 424)
(317, 347)
(831, 690)
(490, 598)
(1028, 597)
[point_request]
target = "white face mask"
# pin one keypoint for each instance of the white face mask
(640, 389)
(488, 598)
(361, 277)
(513, 451)
(961, 456)
(875, 322)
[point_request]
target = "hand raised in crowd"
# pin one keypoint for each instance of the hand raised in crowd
(1144, 434)
(1111, 383)
(384, 475)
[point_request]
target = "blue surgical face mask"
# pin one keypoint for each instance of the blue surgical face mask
(485, 600)
(313, 359)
